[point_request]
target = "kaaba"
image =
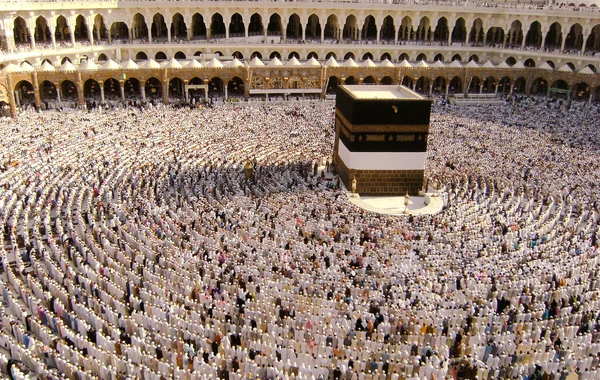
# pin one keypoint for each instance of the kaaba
(381, 138)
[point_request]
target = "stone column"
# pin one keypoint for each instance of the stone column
(90, 26)
(592, 94)
(496, 90)
(31, 26)
(101, 84)
(143, 91)
(36, 90)
(481, 88)
(52, 26)
(58, 89)
(122, 86)
(11, 97)
(72, 24)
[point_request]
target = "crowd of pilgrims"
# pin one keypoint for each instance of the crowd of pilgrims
(136, 244)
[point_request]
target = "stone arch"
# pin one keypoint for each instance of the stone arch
(24, 93)
(510, 61)
(312, 54)
(178, 27)
(217, 26)
(159, 27)
(385, 56)
(112, 89)
(529, 62)
(388, 29)
(118, 31)
(199, 27)
(504, 85)
(99, 30)
(515, 34)
(332, 84)
(551, 64)
(407, 81)
(68, 90)
(441, 31)
(313, 27)
(534, 35)
(495, 36)
(153, 88)
(581, 91)
(141, 56)
(132, 87)
(438, 57)
(422, 85)
(369, 80)
(91, 89)
(423, 32)
(455, 85)
(459, 33)
(275, 54)
(592, 44)
(474, 85)
(274, 27)
(489, 85)
(180, 55)
(422, 57)
(351, 30)
(369, 29)
(256, 54)
(42, 31)
(349, 55)
(474, 58)
(439, 84)
(350, 80)
(255, 26)
(21, 32)
(238, 55)
(539, 86)
(160, 56)
(62, 32)
(176, 89)
(294, 82)
(476, 33)
(237, 27)
(294, 27)
(387, 80)
(519, 86)
(47, 91)
(139, 28)
(591, 67)
(560, 83)
(47, 60)
(571, 65)
(332, 28)
(331, 54)
(456, 57)
(574, 39)
(101, 58)
(366, 56)
(235, 87)
(554, 36)
(294, 54)
(403, 56)
(406, 29)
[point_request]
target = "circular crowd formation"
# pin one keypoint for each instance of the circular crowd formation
(138, 244)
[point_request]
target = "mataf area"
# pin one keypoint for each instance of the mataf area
(136, 245)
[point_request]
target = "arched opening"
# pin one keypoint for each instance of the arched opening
(474, 58)
(91, 90)
(24, 93)
(68, 90)
(369, 80)
(591, 67)
(238, 55)
(459, 33)
(519, 86)
(21, 31)
(592, 44)
(421, 57)
(313, 27)
(534, 35)
(312, 54)
(407, 81)
(495, 37)
(455, 85)
(293, 30)
(159, 28)
(332, 84)
(160, 56)
(474, 85)
(46, 60)
(215, 87)
(574, 39)
(539, 86)
(504, 85)
(510, 61)
(220, 54)
(561, 84)
(100, 32)
(476, 32)
(348, 56)
(42, 32)
(369, 29)
(515, 36)
(551, 64)
(385, 56)
(255, 27)
(456, 57)
(153, 89)
(350, 28)
(101, 58)
(67, 59)
(406, 29)
(274, 26)
(387, 80)
(529, 63)
(440, 33)
(367, 56)
(112, 89)
(438, 57)
(235, 88)
(178, 28)
(403, 56)
(332, 28)
(236, 26)
(350, 80)
(554, 36)
(199, 27)
(196, 93)
(571, 65)
(139, 28)
(118, 32)
(489, 85)
(197, 54)
(48, 92)
(422, 85)
(179, 55)
(423, 30)
(141, 56)
(132, 87)
(331, 54)
(582, 91)
(62, 31)
(256, 54)
(388, 30)
(439, 85)
(294, 54)
(217, 26)
(176, 89)
(275, 54)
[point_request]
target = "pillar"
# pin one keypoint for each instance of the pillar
(543, 40)
(322, 34)
(90, 26)
(17, 98)
(395, 36)
(168, 34)
(592, 94)
(481, 88)
(52, 26)
(72, 24)
(31, 26)
(36, 90)
(58, 89)
(431, 89)
(143, 91)
(11, 97)
(378, 34)
(122, 85)
(225, 89)
(583, 35)
(496, 90)
(562, 44)
(101, 84)
(449, 39)
(447, 89)
(165, 92)
(185, 92)
(80, 97)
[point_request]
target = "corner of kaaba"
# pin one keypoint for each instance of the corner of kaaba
(381, 139)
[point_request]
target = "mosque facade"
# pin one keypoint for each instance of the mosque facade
(75, 51)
